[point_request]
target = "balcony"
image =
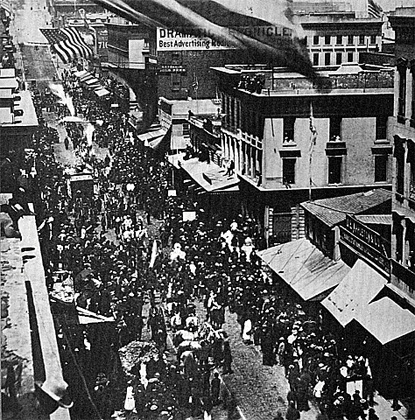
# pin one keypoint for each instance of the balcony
(367, 243)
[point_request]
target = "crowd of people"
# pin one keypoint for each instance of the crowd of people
(131, 257)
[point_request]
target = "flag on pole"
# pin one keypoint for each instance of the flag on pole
(313, 139)
(374, 10)
(67, 43)
(312, 125)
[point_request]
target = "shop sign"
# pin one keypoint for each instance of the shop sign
(172, 68)
(171, 40)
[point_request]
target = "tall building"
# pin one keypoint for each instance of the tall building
(291, 141)
(333, 39)
(403, 138)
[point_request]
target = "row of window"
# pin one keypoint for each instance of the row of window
(335, 169)
(350, 39)
(335, 127)
(349, 58)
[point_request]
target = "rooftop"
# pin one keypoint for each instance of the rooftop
(350, 78)
(27, 119)
(29, 342)
(333, 211)
(403, 11)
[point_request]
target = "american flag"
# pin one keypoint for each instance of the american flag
(67, 43)
(374, 10)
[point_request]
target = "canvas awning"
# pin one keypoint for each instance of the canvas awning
(386, 320)
(81, 73)
(354, 293)
(209, 176)
(155, 137)
(102, 92)
(305, 268)
(152, 135)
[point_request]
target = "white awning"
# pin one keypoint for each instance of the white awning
(102, 92)
(386, 320)
(354, 293)
(305, 268)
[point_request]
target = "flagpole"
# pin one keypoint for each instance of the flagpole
(312, 143)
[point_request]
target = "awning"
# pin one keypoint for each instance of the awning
(211, 177)
(153, 138)
(87, 78)
(305, 268)
(354, 293)
(81, 73)
(93, 81)
(102, 92)
(386, 320)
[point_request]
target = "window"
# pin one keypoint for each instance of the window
(398, 230)
(327, 39)
(335, 128)
(335, 170)
(281, 229)
(402, 91)
(381, 127)
(289, 123)
(315, 59)
(186, 129)
(175, 58)
(361, 39)
(339, 40)
(411, 161)
(175, 81)
(400, 168)
(413, 97)
(350, 57)
(339, 58)
(373, 39)
(381, 168)
(288, 171)
(327, 59)
(316, 39)
(350, 40)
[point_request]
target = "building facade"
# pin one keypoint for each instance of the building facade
(291, 141)
(403, 137)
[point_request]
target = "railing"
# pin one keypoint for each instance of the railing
(367, 242)
(360, 81)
